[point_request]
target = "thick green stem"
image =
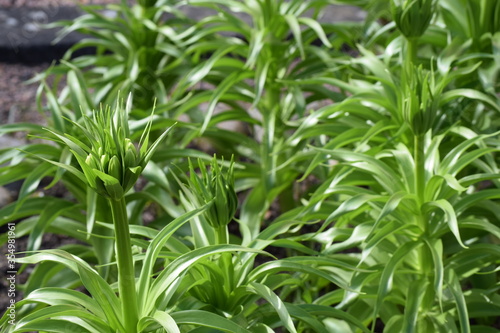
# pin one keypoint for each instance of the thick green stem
(419, 157)
(260, 202)
(411, 52)
(425, 260)
(222, 236)
(126, 273)
(270, 113)
(225, 263)
(420, 167)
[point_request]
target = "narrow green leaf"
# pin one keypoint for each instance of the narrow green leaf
(358, 235)
(294, 25)
(256, 45)
(469, 93)
(390, 206)
(149, 153)
(34, 178)
(207, 319)
(305, 317)
(58, 326)
(72, 314)
(152, 253)
(49, 214)
(177, 268)
(162, 318)
(458, 295)
(314, 25)
(74, 144)
(385, 285)
(95, 284)
(436, 249)
(55, 108)
(351, 204)
(78, 92)
(282, 265)
(260, 80)
(275, 302)
(479, 224)
(416, 292)
(328, 311)
(231, 80)
(21, 127)
(451, 217)
(66, 167)
(63, 296)
(91, 210)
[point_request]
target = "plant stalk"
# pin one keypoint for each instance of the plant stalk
(268, 107)
(419, 158)
(269, 125)
(419, 142)
(425, 260)
(126, 272)
(222, 235)
(411, 52)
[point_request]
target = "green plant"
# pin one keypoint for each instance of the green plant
(253, 75)
(411, 229)
(361, 195)
(110, 165)
(130, 56)
(401, 204)
(137, 51)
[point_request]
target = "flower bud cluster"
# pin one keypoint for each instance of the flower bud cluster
(418, 103)
(217, 185)
(412, 17)
(124, 169)
(110, 163)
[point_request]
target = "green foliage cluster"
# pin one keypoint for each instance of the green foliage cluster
(361, 192)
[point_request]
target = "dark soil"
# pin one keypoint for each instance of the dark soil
(17, 99)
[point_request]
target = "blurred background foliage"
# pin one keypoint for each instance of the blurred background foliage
(365, 162)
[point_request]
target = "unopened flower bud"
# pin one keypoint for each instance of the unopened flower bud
(91, 161)
(128, 144)
(104, 161)
(115, 168)
(131, 159)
